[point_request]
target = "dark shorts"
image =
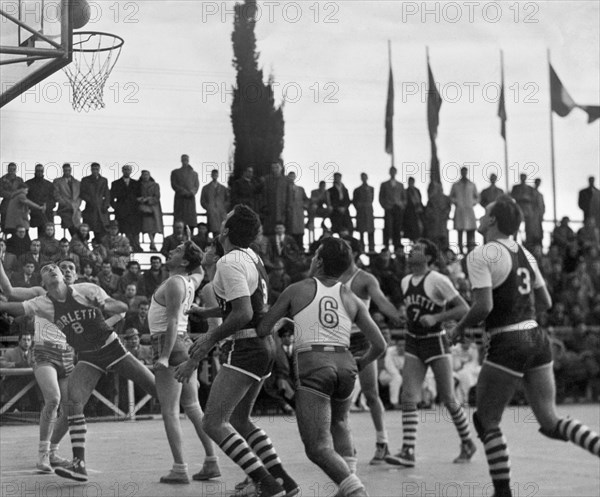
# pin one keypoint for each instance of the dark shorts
(252, 356)
(358, 344)
(328, 374)
(59, 358)
(179, 353)
(517, 352)
(105, 358)
(428, 349)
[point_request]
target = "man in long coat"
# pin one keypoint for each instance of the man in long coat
(67, 193)
(362, 198)
(275, 199)
(298, 202)
(186, 185)
(124, 193)
(214, 199)
(41, 192)
(10, 183)
(464, 197)
(392, 198)
(95, 193)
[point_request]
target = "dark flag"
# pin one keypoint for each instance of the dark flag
(562, 103)
(593, 112)
(434, 103)
(502, 110)
(389, 115)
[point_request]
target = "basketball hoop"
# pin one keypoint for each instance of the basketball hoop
(94, 56)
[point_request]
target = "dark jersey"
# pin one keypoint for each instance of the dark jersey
(259, 299)
(514, 299)
(84, 326)
(418, 303)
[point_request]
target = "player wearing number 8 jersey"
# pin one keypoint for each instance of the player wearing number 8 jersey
(323, 310)
(508, 289)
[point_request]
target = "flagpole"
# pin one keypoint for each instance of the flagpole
(552, 148)
(505, 141)
(390, 66)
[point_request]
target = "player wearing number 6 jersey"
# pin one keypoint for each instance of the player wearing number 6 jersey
(508, 288)
(241, 288)
(323, 310)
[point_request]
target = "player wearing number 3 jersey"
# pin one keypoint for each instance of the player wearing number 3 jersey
(323, 310)
(508, 289)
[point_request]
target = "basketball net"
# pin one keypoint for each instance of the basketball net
(94, 57)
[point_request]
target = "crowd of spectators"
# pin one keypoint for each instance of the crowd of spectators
(570, 264)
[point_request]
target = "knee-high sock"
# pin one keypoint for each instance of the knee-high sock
(498, 460)
(77, 431)
(580, 435)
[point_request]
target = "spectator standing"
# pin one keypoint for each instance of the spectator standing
(525, 197)
(117, 246)
(10, 184)
(67, 193)
(50, 246)
(153, 277)
(413, 215)
(173, 241)
(186, 184)
(19, 242)
(536, 230)
(363, 198)
(280, 385)
(340, 201)
(246, 190)
(275, 199)
(96, 195)
(124, 193)
(298, 201)
(491, 193)
(150, 208)
(319, 205)
(589, 235)
(392, 198)
(214, 199)
(17, 213)
(436, 216)
(9, 261)
(563, 235)
(41, 192)
(464, 196)
(585, 198)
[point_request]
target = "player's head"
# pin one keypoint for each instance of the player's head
(51, 275)
(69, 270)
(241, 226)
(213, 253)
(332, 258)
(423, 252)
(503, 215)
(186, 256)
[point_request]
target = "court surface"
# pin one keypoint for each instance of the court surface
(126, 459)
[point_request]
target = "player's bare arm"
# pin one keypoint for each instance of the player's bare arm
(481, 307)
(543, 300)
(457, 308)
(172, 293)
(205, 312)
(18, 294)
(12, 308)
(279, 310)
(113, 306)
(381, 301)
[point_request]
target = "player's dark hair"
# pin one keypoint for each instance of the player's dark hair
(508, 215)
(192, 254)
(219, 250)
(336, 255)
(243, 225)
(430, 249)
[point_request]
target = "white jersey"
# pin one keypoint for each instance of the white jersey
(324, 321)
(157, 315)
(46, 332)
(367, 301)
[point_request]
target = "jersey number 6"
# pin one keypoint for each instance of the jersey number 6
(328, 315)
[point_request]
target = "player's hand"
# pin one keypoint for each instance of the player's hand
(456, 335)
(161, 364)
(201, 347)
(185, 370)
(396, 321)
(195, 309)
(427, 321)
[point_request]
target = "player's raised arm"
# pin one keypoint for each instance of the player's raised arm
(12, 308)
(17, 293)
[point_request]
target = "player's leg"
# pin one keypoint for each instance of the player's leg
(541, 393)
(414, 374)
(370, 389)
(191, 406)
(341, 434)
(495, 388)
(132, 369)
(62, 425)
(442, 371)
(46, 377)
(313, 413)
(228, 389)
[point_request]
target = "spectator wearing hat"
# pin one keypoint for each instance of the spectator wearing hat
(143, 353)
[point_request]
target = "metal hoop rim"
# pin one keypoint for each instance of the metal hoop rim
(95, 33)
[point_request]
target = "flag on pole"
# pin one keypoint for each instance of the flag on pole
(502, 108)
(593, 112)
(562, 103)
(389, 115)
(434, 103)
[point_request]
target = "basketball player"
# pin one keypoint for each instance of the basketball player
(366, 287)
(430, 299)
(323, 310)
(507, 290)
(168, 323)
(242, 291)
(53, 362)
(77, 312)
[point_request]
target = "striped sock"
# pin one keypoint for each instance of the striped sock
(77, 431)
(241, 454)
(496, 453)
(410, 421)
(263, 447)
(461, 423)
(580, 435)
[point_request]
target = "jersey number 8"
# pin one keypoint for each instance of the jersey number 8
(77, 327)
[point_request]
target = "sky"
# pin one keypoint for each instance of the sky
(170, 92)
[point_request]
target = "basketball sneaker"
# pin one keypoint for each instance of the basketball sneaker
(175, 477)
(406, 457)
(290, 486)
(467, 449)
(381, 451)
(43, 465)
(210, 469)
(269, 487)
(244, 488)
(75, 471)
(56, 460)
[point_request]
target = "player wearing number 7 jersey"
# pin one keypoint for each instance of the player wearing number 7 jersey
(508, 288)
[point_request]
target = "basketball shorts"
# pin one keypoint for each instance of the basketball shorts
(252, 356)
(179, 353)
(105, 358)
(358, 344)
(60, 358)
(328, 374)
(427, 349)
(519, 351)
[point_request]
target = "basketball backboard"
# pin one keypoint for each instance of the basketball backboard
(35, 41)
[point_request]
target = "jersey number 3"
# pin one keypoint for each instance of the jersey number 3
(525, 285)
